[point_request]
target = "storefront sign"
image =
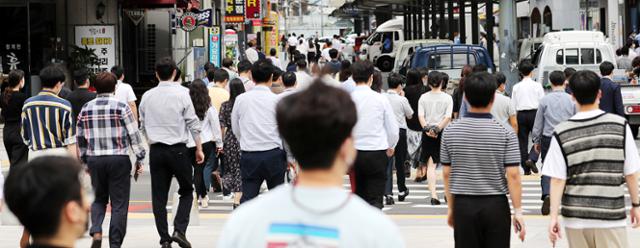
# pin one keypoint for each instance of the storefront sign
(204, 17)
(135, 15)
(234, 11)
(102, 39)
(253, 9)
(214, 46)
(188, 21)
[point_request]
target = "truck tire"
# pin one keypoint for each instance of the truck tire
(634, 130)
(385, 64)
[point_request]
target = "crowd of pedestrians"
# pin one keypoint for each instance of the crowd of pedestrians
(237, 129)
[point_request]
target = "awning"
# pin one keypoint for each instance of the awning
(153, 3)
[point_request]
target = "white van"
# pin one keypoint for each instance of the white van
(528, 47)
(402, 58)
(581, 50)
(373, 48)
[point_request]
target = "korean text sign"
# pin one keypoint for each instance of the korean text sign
(102, 39)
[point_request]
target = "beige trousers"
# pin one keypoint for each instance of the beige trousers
(598, 238)
(61, 151)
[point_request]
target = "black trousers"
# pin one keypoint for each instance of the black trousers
(526, 119)
(198, 169)
(370, 173)
(166, 162)
(257, 167)
(111, 181)
(481, 221)
(399, 157)
(292, 49)
(16, 149)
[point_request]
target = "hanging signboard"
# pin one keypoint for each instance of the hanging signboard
(189, 21)
(215, 55)
(234, 11)
(102, 39)
(253, 9)
(135, 15)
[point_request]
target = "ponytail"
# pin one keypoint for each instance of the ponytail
(15, 77)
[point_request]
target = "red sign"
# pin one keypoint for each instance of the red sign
(252, 9)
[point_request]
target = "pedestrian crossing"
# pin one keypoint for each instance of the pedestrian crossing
(418, 201)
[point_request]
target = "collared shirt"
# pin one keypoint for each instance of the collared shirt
(167, 115)
(248, 83)
(106, 126)
(555, 166)
(125, 93)
(252, 55)
(303, 80)
(218, 95)
(401, 108)
(554, 108)
(254, 120)
(349, 85)
(526, 95)
(47, 122)
(211, 130)
(292, 41)
(275, 61)
(286, 92)
(377, 128)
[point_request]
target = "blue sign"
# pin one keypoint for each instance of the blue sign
(215, 55)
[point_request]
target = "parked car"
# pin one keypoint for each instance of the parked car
(451, 58)
(403, 56)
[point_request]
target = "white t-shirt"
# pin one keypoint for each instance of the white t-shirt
(555, 166)
(124, 92)
(337, 44)
(252, 55)
(309, 217)
(325, 53)
(302, 48)
(303, 79)
(275, 61)
(434, 107)
(293, 41)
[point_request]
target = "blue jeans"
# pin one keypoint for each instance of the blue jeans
(210, 166)
(545, 181)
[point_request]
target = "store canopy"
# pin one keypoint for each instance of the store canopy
(154, 3)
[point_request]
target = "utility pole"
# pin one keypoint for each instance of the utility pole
(508, 38)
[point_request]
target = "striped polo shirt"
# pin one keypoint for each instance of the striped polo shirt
(478, 148)
(47, 122)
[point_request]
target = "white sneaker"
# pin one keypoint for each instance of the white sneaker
(204, 202)
(228, 197)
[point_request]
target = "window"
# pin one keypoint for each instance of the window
(571, 56)
(396, 36)
(560, 57)
(536, 56)
(587, 56)
(444, 62)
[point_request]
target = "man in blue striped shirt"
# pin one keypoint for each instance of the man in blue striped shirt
(47, 120)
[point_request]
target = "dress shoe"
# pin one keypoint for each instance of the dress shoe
(388, 199)
(527, 173)
(179, 238)
(435, 201)
(97, 243)
(403, 195)
(532, 166)
(166, 245)
(546, 206)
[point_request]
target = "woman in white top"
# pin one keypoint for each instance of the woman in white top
(211, 136)
(434, 112)
(302, 47)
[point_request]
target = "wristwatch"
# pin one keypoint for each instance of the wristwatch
(635, 205)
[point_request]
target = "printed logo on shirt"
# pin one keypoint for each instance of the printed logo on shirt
(284, 235)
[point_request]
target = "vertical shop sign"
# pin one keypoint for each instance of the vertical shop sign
(253, 9)
(214, 46)
(234, 11)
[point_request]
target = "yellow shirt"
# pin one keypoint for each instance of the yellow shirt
(218, 96)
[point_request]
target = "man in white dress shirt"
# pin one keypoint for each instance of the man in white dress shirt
(251, 52)
(244, 70)
(254, 121)
(302, 77)
(124, 92)
(292, 42)
(376, 134)
(525, 97)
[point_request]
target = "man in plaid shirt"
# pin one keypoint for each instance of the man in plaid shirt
(106, 130)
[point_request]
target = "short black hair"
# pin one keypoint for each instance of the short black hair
(105, 83)
(209, 66)
(220, 75)
(624, 51)
(51, 75)
(445, 80)
(227, 62)
(568, 72)
(557, 78)
(244, 65)
(479, 89)
(273, 52)
(38, 192)
(289, 79)
(262, 71)
(606, 68)
(585, 86)
(118, 71)
(80, 76)
(178, 75)
(635, 62)
(305, 119)
(165, 68)
(299, 56)
(394, 80)
(414, 77)
(277, 73)
(301, 63)
(525, 67)
(435, 79)
(333, 53)
(480, 68)
(362, 71)
(211, 73)
(500, 79)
